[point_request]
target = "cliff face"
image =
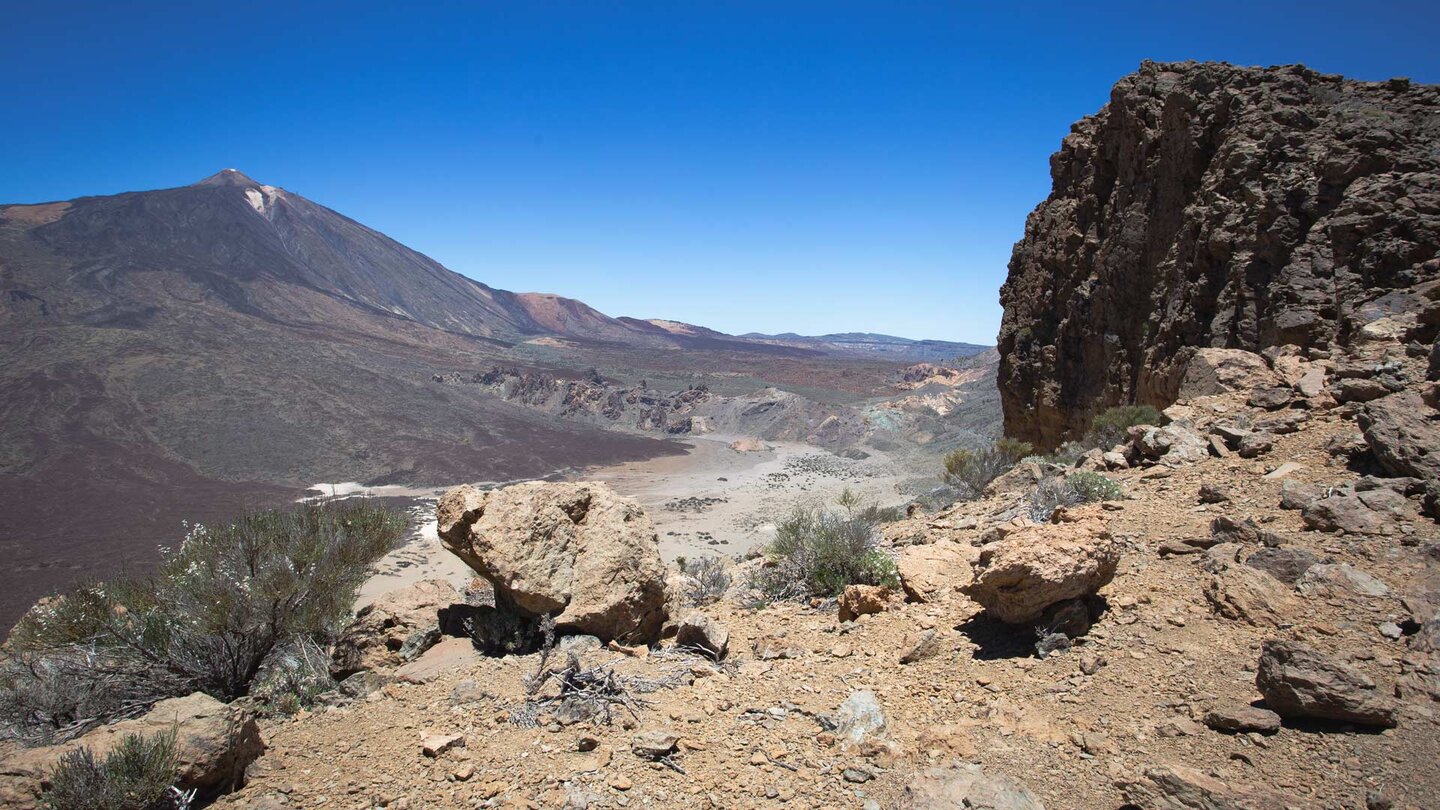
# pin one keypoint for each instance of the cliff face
(1208, 205)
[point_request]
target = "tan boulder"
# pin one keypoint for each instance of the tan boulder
(450, 655)
(375, 638)
(576, 551)
(929, 572)
(1038, 565)
(862, 600)
(214, 744)
(1176, 787)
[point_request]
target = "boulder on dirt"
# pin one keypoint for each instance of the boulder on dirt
(575, 551)
(1298, 681)
(1345, 512)
(214, 744)
(860, 725)
(1039, 565)
(700, 632)
(930, 571)
(1243, 718)
(1252, 596)
(967, 785)
(1176, 787)
(862, 600)
(383, 628)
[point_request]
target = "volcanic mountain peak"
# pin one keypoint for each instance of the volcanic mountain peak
(228, 177)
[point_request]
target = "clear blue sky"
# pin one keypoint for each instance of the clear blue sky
(776, 166)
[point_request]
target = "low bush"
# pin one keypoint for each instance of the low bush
(817, 552)
(971, 470)
(1092, 487)
(138, 774)
(228, 603)
(709, 578)
(1109, 427)
(1055, 491)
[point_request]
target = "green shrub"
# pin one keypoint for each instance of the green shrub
(817, 552)
(223, 606)
(1092, 487)
(138, 774)
(971, 470)
(1109, 427)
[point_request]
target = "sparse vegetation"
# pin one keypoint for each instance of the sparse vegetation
(709, 578)
(1055, 491)
(1109, 427)
(817, 552)
(138, 774)
(972, 470)
(230, 603)
(1092, 487)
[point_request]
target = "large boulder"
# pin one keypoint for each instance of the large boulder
(575, 551)
(1039, 565)
(214, 744)
(394, 629)
(1403, 432)
(1211, 371)
(1299, 681)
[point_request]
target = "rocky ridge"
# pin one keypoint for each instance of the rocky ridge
(1209, 205)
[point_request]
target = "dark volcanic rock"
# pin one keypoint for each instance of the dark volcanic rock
(1208, 205)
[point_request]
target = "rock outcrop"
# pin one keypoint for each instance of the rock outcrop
(1300, 681)
(1037, 566)
(394, 629)
(214, 743)
(575, 551)
(1213, 206)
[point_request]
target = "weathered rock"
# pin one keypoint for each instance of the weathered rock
(920, 646)
(773, 648)
(450, 655)
(434, 745)
(861, 600)
(1255, 445)
(1214, 493)
(1243, 718)
(1298, 494)
(214, 745)
(1360, 390)
(860, 725)
(1298, 681)
(1339, 579)
(1347, 512)
(1225, 529)
(1210, 371)
(967, 785)
(1403, 431)
(654, 744)
(1172, 224)
(1252, 596)
(576, 551)
(1036, 566)
(700, 632)
(927, 572)
(381, 629)
(1271, 397)
(1285, 563)
(1175, 787)
(1172, 445)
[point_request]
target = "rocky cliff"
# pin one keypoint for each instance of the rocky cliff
(1208, 205)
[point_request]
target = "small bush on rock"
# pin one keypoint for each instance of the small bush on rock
(817, 552)
(972, 470)
(1109, 427)
(230, 602)
(138, 775)
(1055, 491)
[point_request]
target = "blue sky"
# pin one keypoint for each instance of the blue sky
(777, 166)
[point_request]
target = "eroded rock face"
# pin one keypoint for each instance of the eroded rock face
(214, 744)
(966, 785)
(577, 551)
(1037, 566)
(1208, 206)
